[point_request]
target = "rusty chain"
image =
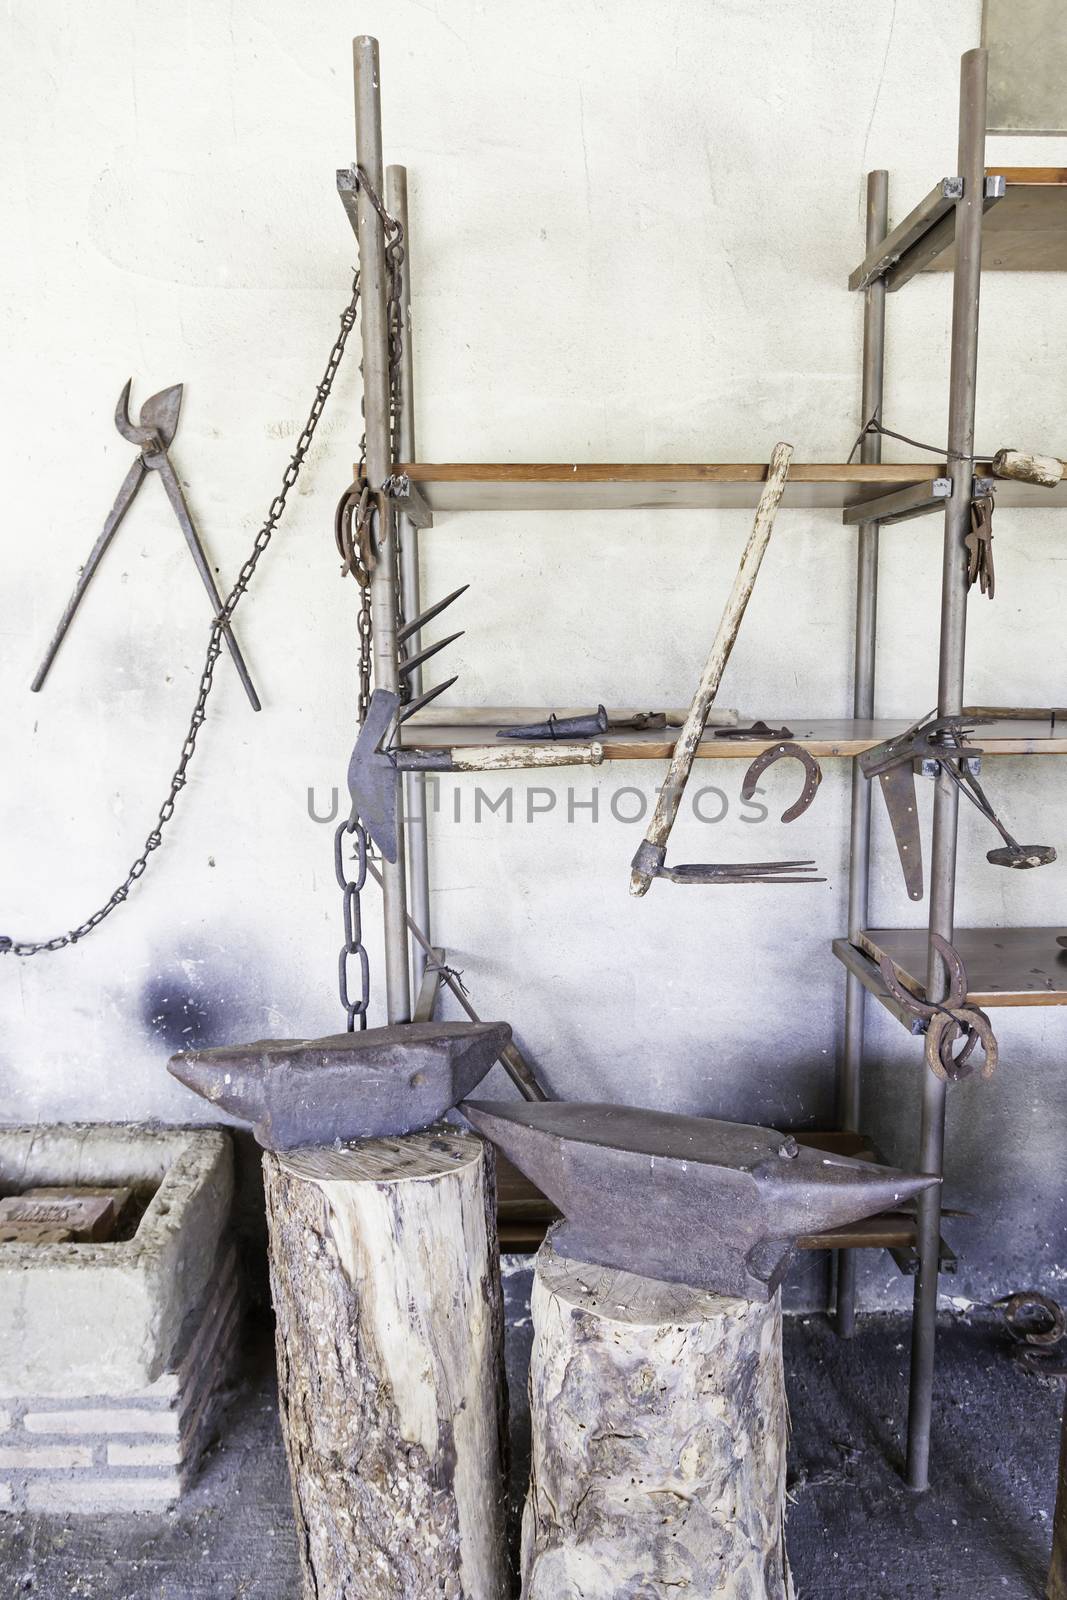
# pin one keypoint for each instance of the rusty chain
(359, 510)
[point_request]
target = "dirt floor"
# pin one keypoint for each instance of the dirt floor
(982, 1533)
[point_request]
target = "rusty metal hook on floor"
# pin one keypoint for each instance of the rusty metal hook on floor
(778, 752)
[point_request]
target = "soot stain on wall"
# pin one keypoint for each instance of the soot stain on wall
(193, 1001)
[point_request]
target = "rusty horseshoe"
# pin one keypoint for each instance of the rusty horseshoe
(777, 752)
(948, 1021)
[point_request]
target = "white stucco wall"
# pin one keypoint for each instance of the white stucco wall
(631, 230)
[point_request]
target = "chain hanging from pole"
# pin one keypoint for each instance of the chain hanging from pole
(360, 515)
(32, 947)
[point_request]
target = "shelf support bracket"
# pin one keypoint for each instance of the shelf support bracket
(914, 501)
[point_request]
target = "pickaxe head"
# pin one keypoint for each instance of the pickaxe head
(159, 416)
(372, 778)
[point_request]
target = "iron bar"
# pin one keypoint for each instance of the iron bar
(886, 250)
(914, 501)
(966, 288)
(418, 852)
(934, 243)
(376, 403)
(511, 1057)
(859, 854)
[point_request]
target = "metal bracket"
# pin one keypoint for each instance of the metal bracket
(937, 239)
(913, 501)
(885, 255)
(907, 1258)
(408, 500)
(348, 189)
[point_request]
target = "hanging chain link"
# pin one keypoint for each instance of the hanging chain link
(29, 947)
(359, 512)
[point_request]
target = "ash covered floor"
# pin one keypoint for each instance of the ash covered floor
(982, 1533)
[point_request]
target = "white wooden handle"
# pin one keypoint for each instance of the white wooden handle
(513, 757)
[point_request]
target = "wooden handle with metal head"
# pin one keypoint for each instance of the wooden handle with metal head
(653, 848)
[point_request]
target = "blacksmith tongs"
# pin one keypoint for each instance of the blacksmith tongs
(156, 430)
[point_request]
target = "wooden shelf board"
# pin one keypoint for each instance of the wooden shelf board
(1026, 231)
(827, 739)
(1005, 966)
(593, 486)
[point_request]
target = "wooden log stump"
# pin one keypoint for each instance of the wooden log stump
(386, 1284)
(659, 1425)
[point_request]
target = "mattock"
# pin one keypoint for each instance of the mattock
(779, 752)
(949, 1019)
(152, 435)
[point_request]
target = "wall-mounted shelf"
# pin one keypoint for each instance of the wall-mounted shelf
(700, 486)
(1026, 231)
(1005, 966)
(826, 739)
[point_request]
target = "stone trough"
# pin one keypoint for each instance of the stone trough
(113, 1355)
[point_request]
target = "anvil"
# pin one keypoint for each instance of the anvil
(381, 1082)
(715, 1205)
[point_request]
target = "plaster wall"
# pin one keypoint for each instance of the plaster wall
(631, 228)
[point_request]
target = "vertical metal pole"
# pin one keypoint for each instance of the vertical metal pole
(859, 855)
(966, 284)
(375, 329)
(396, 203)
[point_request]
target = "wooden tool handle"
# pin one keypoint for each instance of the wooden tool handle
(673, 786)
(509, 758)
(1025, 467)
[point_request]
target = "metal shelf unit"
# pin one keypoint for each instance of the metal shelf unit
(1023, 214)
(1028, 217)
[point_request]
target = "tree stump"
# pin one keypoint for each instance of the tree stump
(659, 1425)
(386, 1284)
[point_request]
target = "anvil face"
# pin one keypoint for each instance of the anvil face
(716, 1205)
(382, 1082)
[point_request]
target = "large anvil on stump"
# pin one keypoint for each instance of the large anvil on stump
(383, 1081)
(717, 1205)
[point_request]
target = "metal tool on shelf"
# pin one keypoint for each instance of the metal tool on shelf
(782, 752)
(586, 725)
(947, 1020)
(757, 730)
(152, 434)
(939, 745)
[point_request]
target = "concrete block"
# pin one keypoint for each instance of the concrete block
(102, 1420)
(106, 1319)
(104, 1493)
(51, 1457)
(143, 1455)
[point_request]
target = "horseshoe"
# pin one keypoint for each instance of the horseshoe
(951, 1020)
(776, 752)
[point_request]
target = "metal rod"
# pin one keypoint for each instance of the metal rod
(966, 287)
(511, 1057)
(859, 854)
(396, 203)
(885, 251)
(900, 505)
(375, 330)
